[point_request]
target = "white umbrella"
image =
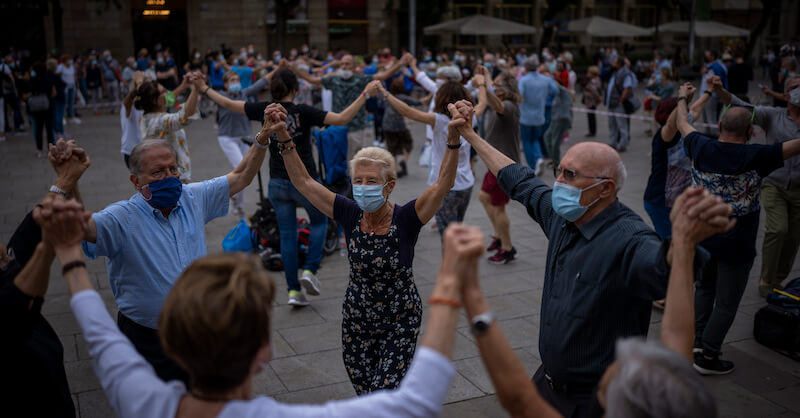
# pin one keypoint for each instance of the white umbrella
(703, 29)
(479, 25)
(601, 26)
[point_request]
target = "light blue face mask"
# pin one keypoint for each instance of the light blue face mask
(566, 200)
(234, 87)
(369, 197)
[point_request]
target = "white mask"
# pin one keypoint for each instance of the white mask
(346, 74)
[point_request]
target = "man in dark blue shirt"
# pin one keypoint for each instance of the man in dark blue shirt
(731, 169)
(605, 266)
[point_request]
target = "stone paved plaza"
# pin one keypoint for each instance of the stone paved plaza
(307, 364)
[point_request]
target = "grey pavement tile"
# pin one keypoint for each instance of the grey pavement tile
(788, 398)
(310, 370)
(285, 316)
(461, 389)
(267, 383)
(769, 356)
(80, 376)
(329, 309)
(474, 370)
(280, 348)
(64, 323)
(736, 401)
(520, 332)
(314, 338)
(94, 404)
(753, 374)
(319, 395)
(483, 407)
(68, 342)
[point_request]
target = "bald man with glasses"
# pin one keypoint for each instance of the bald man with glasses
(605, 265)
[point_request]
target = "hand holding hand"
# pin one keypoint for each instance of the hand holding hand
(478, 81)
(68, 160)
(274, 119)
(715, 84)
(697, 214)
(463, 246)
(63, 222)
(464, 107)
(373, 88)
(683, 91)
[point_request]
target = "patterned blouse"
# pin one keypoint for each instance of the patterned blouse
(169, 126)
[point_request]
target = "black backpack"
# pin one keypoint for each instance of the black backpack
(777, 325)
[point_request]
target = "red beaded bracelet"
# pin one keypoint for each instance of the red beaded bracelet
(445, 301)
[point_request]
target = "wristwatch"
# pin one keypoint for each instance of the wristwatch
(480, 323)
(57, 190)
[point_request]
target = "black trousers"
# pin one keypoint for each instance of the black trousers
(569, 405)
(592, 122)
(44, 126)
(148, 345)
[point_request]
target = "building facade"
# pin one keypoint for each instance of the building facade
(360, 26)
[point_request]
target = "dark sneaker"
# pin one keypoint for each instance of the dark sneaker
(503, 257)
(495, 245)
(712, 366)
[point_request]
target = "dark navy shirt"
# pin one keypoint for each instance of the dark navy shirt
(654, 193)
(599, 283)
(733, 172)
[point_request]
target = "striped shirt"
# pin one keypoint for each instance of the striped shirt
(599, 281)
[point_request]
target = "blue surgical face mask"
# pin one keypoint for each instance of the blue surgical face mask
(369, 198)
(33, 73)
(375, 60)
(160, 60)
(164, 193)
(234, 87)
(566, 200)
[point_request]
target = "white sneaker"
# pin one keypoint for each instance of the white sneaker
(75, 121)
(310, 282)
(297, 298)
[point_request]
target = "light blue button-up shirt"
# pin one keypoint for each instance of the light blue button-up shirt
(535, 89)
(146, 252)
(629, 81)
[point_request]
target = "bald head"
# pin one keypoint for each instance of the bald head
(596, 159)
(736, 122)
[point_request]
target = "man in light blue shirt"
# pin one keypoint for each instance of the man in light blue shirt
(535, 89)
(149, 239)
(620, 88)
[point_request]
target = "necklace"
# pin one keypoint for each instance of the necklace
(371, 226)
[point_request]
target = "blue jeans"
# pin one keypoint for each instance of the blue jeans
(285, 198)
(532, 145)
(58, 117)
(70, 93)
(660, 217)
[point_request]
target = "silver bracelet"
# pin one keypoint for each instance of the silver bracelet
(260, 145)
(57, 190)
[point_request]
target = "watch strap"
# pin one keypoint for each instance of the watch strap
(57, 190)
(481, 323)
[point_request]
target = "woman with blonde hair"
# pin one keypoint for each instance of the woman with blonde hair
(382, 310)
(592, 96)
(216, 323)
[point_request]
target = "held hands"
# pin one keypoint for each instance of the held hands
(697, 214)
(63, 223)
(715, 84)
(373, 88)
(463, 246)
(462, 109)
(406, 59)
(275, 120)
(688, 90)
(68, 160)
(478, 81)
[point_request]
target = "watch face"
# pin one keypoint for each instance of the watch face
(481, 326)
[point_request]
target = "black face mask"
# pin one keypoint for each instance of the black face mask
(595, 409)
(10, 271)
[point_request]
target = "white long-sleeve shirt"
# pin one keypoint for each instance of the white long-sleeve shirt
(134, 390)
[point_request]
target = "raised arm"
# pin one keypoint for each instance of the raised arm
(247, 169)
(480, 83)
(314, 80)
(343, 118)
(232, 105)
(494, 159)
(408, 111)
(432, 198)
(393, 68)
(138, 78)
(316, 193)
(185, 84)
(696, 215)
(190, 107)
(510, 379)
(697, 107)
(791, 148)
(682, 110)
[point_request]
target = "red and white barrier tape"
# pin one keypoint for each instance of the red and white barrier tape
(637, 117)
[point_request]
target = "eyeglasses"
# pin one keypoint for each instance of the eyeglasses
(752, 115)
(570, 175)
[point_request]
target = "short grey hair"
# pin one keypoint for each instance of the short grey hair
(135, 160)
(531, 64)
(617, 173)
(654, 381)
(450, 72)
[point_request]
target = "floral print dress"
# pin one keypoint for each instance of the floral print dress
(169, 127)
(382, 309)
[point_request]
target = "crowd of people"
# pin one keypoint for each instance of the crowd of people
(192, 329)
